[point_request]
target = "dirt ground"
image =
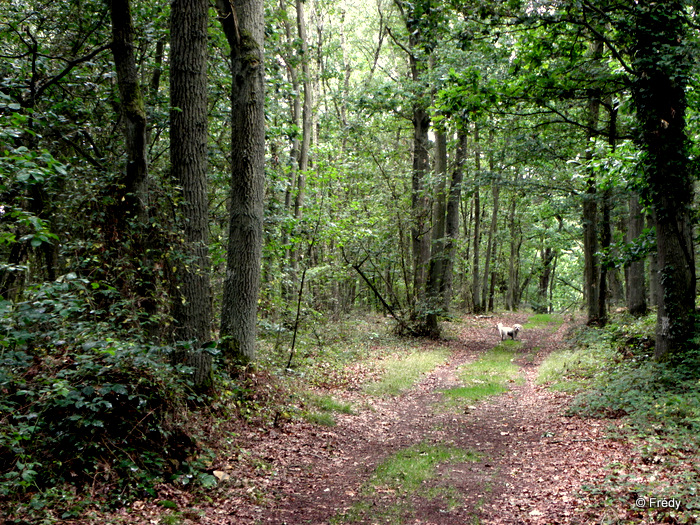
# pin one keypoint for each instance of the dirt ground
(534, 459)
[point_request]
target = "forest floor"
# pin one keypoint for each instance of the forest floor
(529, 462)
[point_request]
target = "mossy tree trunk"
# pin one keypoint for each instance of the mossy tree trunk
(243, 25)
(125, 224)
(662, 63)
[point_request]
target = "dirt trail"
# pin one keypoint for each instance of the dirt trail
(534, 460)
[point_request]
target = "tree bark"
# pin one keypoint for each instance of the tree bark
(634, 271)
(302, 161)
(491, 238)
(590, 205)
(653, 272)
(605, 241)
(476, 295)
(188, 158)
(659, 95)
(542, 305)
(126, 219)
(452, 217)
(244, 29)
(512, 296)
(134, 195)
(420, 203)
(436, 275)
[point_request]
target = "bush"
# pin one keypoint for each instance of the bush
(81, 410)
(654, 394)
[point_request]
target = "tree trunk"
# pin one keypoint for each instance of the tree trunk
(476, 295)
(659, 95)
(491, 239)
(435, 285)
(126, 219)
(605, 241)
(542, 305)
(188, 158)
(452, 218)
(590, 206)
(634, 271)
(653, 273)
(134, 197)
(302, 161)
(513, 263)
(244, 29)
(420, 202)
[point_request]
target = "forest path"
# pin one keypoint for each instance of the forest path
(533, 460)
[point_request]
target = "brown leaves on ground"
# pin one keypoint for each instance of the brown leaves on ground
(534, 462)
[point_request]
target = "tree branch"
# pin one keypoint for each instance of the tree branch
(71, 64)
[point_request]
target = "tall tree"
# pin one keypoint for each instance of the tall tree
(127, 216)
(591, 270)
(477, 305)
(134, 199)
(244, 28)
(662, 67)
(493, 229)
(436, 273)
(452, 215)
(417, 19)
(634, 271)
(188, 160)
(300, 148)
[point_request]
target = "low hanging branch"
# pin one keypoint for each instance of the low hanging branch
(386, 305)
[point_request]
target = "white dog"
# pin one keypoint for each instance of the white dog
(507, 331)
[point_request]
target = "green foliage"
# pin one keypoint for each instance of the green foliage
(78, 408)
(23, 170)
(615, 374)
(652, 393)
(572, 369)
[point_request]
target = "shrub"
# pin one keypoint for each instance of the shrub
(80, 410)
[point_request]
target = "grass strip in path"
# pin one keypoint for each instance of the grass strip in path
(487, 376)
(388, 495)
(401, 373)
(550, 321)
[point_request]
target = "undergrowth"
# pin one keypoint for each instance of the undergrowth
(615, 374)
(321, 409)
(92, 416)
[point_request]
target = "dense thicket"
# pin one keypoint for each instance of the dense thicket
(167, 181)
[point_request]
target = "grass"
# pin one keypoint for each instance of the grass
(322, 409)
(401, 373)
(387, 496)
(487, 376)
(573, 369)
(544, 321)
